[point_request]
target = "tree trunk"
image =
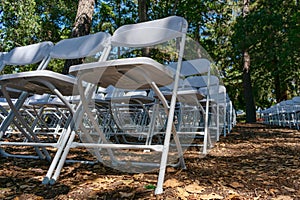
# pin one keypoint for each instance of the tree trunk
(82, 26)
(143, 9)
(249, 101)
(250, 107)
(280, 92)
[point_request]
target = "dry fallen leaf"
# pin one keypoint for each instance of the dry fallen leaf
(273, 191)
(138, 176)
(236, 185)
(257, 198)
(126, 195)
(230, 191)
(194, 188)
(22, 187)
(289, 189)
(233, 197)
(211, 196)
(128, 182)
(283, 197)
(182, 193)
(172, 183)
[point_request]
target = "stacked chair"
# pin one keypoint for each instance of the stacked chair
(21, 56)
(285, 114)
(170, 97)
(201, 88)
(138, 108)
(230, 121)
(42, 81)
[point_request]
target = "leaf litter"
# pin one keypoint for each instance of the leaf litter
(254, 161)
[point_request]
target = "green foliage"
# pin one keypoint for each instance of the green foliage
(150, 187)
(110, 15)
(270, 32)
(30, 21)
(21, 24)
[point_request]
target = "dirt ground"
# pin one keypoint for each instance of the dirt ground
(253, 162)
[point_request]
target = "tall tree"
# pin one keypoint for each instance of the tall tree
(20, 24)
(143, 10)
(270, 33)
(249, 101)
(82, 26)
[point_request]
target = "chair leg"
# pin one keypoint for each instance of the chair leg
(57, 158)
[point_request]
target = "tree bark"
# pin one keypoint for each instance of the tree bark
(248, 95)
(249, 100)
(280, 92)
(82, 26)
(143, 9)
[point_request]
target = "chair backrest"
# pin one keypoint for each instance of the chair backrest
(36, 98)
(192, 67)
(201, 81)
(149, 33)
(1, 59)
(1, 54)
(29, 54)
(80, 47)
(296, 100)
(219, 94)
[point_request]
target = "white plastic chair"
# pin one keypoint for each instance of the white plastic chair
(211, 122)
(198, 81)
(20, 56)
(137, 73)
(44, 81)
(296, 109)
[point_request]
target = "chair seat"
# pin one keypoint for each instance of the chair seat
(128, 73)
(136, 99)
(189, 96)
(31, 82)
(13, 93)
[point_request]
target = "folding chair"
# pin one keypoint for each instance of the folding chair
(50, 115)
(21, 56)
(210, 124)
(296, 109)
(130, 111)
(219, 97)
(44, 81)
(270, 115)
(230, 112)
(137, 73)
(287, 114)
(198, 80)
(1, 60)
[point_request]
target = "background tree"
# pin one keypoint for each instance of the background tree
(269, 33)
(247, 85)
(21, 24)
(272, 40)
(143, 10)
(31, 21)
(82, 26)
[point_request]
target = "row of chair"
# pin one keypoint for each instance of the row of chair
(150, 95)
(285, 113)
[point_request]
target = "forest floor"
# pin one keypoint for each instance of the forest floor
(255, 161)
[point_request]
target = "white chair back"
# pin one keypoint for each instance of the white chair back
(29, 54)
(193, 67)
(80, 47)
(149, 33)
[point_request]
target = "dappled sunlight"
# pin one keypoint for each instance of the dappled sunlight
(262, 164)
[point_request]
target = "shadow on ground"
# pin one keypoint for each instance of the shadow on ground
(255, 161)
